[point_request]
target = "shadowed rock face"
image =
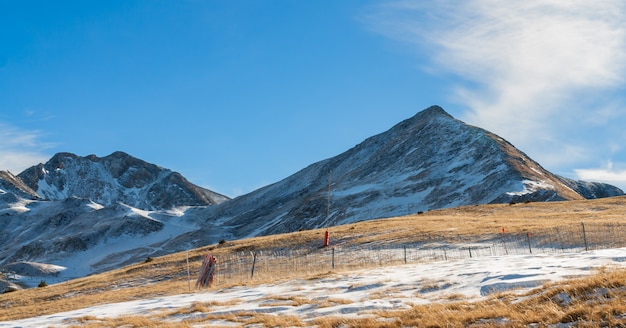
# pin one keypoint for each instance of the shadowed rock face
(118, 177)
(12, 184)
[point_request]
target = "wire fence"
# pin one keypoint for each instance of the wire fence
(270, 265)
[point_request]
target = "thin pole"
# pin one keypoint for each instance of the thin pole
(330, 174)
(404, 254)
(188, 272)
(253, 264)
(585, 237)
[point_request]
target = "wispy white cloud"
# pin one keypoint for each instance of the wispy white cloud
(20, 149)
(544, 74)
(609, 174)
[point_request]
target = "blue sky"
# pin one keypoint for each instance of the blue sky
(235, 95)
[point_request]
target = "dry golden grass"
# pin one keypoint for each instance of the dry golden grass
(332, 301)
(594, 301)
(279, 300)
(167, 275)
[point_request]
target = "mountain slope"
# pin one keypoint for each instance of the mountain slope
(118, 177)
(429, 161)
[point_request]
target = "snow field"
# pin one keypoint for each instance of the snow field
(361, 293)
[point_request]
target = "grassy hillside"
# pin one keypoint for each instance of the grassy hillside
(167, 275)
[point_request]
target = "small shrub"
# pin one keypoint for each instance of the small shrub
(42, 284)
(148, 260)
(222, 242)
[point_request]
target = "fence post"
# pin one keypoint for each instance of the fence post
(333, 258)
(404, 254)
(253, 264)
(188, 272)
(528, 238)
(506, 251)
(445, 255)
(470, 251)
(585, 237)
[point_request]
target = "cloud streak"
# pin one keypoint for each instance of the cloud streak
(20, 149)
(542, 74)
(608, 174)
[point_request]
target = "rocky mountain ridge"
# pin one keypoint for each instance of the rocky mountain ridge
(90, 214)
(118, 177)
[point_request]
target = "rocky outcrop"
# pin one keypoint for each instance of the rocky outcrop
(9, 183)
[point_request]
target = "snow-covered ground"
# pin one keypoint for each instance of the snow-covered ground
(356, 294)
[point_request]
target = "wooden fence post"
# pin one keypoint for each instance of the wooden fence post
(253, 264)
(404, 254)
(188, 272)
(506, 251)
(585, 237)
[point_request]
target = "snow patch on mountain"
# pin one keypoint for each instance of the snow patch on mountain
(95, 206)
(529, 187)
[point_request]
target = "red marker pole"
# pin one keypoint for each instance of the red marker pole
(326, 239)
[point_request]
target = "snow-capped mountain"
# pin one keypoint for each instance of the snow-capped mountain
(118, 177)
(91, 214)
(429, 161)
(77, 211)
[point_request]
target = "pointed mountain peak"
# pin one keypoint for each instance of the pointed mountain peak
(423, 118)
(434, 111)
